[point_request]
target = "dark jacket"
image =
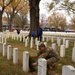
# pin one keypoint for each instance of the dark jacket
(39, 31)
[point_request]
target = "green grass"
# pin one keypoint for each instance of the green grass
(8, 68)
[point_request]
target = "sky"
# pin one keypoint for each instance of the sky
(42, 6)
(43, 9)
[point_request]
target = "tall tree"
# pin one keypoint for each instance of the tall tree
(57, 20)
(3, 5)
(34, 15)
(20, 20)
(66, 5)
(17, 6)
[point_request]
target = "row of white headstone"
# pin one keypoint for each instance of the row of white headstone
(42, 63)
(62, 47)
(22, 38)
(69, 34)
(2, 39)
(7, 50)
(45, 34)
(10, 52)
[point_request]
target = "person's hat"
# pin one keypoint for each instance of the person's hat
(41, 44)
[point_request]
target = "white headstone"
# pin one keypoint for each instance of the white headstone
(20, 37)
(2, 39)
(23, 38)
(36, 39)
(68, 70)
(9, 52)
(74, 43)
(58, 41)
(1, 47)
(5, 40)
(64, 41)
(42, 66)
(67, 43)
(37, 45)
(26, 61)
(17, 37)
(15, 55)
(26, 42)
(12, 36)
(43, 38)
(54, 46)
(28, 38)
(45, 43)
(73, 54)
(4, 49)
(31, 42)
(62, 50)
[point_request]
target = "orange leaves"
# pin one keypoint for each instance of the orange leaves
(24, 10)
(57, 20)
(15, 3)
(1, 3)
(20, 5)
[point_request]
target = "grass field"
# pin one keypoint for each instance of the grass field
(8, 68)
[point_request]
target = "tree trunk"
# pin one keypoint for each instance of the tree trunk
(10, 21)
(34, 15)
(0, 20)
(10, 24)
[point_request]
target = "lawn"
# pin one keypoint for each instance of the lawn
(8, 68)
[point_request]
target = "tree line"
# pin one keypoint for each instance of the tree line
(13, 8)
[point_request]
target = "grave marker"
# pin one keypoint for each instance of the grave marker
(68, 70)
(15, 55)
(4, 49)
(62, 50)
(9, 52)
(26, 61)
(42, 66)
